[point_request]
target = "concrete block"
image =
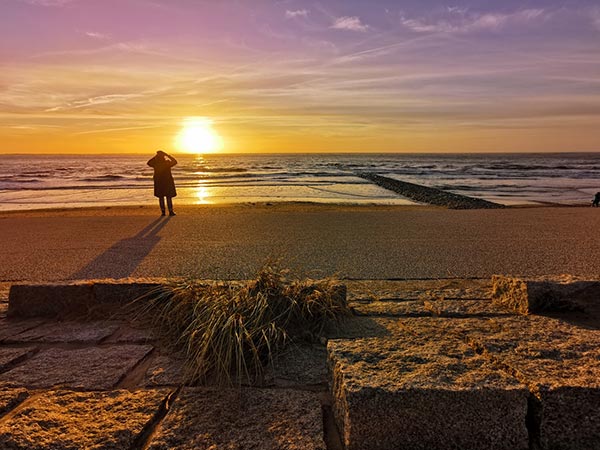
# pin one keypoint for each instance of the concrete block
(49, 300)
(568, 391)
(118, 293)
(411, 392)
(570, 418)
(526, 296)
(561, 365)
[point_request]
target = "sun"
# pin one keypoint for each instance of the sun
(198, 136)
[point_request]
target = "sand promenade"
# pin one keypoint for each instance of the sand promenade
(364, 242)
(482, 374)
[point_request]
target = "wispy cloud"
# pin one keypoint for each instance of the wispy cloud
(457, 9)
(48, 2)
(96, 35)
(349, 23)
(95, 101)
(112, 130)
(297, 13)
(595, 16)
(460, 20)
(33, 127)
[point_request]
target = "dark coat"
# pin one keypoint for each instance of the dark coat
(164, 186)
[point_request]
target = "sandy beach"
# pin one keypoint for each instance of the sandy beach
(354, 242)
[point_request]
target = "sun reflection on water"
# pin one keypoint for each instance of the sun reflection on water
(203, 195)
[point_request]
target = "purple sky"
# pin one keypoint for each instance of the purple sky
(349, 75)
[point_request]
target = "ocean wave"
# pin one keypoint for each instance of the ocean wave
(214, 169)
(104, 178)
(19, 180)
(480, 175)
(82, 187)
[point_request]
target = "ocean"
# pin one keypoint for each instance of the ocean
(58, 181)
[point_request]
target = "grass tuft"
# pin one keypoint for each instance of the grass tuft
(230, 332)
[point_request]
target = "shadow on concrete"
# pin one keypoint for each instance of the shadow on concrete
(121, 260)
(583, 306)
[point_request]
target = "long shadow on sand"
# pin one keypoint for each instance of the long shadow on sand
(121, 260)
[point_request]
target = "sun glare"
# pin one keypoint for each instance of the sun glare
(198, 136)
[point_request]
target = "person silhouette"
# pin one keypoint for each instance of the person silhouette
(164, 185)
(596, 201)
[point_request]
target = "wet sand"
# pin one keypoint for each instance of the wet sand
(355, 242)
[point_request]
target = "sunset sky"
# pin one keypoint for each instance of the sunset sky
(103, 76)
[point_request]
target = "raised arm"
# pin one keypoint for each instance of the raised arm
(152, 162)
(173, 161)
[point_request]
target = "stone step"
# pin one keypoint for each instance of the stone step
(75, 297)
(424, 392)
(556, 360)
(561, 365)
(546, 294)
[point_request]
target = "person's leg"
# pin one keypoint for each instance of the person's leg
(161, 203)
(170, 206)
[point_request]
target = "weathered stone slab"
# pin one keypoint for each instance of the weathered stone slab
(419, 392)
(81, 420)
(12, 356)
(132, 335)
(425, 308)
(526, 296)
(92, 368)
(11, 397)
(300, 365)
(236, 419)
(374, 326)
(71, 332)
(49, 300)
(165, 371)
(12, 327)
(362, 326)
(418, 289)
(517, 333)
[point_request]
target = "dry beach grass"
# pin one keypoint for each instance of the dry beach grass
(229, 332)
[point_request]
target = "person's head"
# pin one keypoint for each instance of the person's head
(161, 153)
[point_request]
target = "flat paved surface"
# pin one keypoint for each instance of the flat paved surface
(353, 242)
